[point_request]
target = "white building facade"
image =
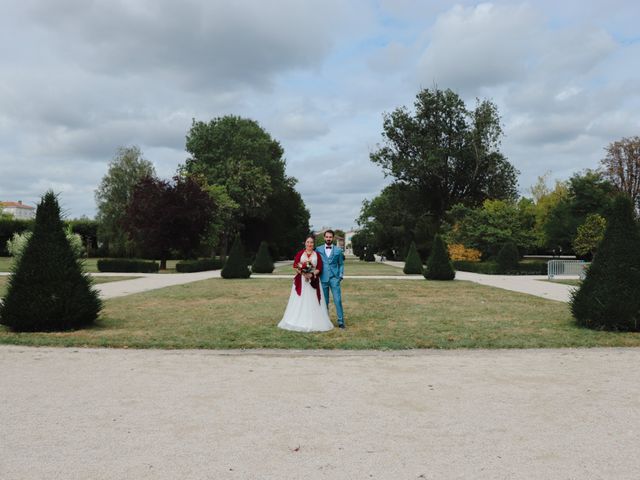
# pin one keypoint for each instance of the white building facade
(18, 210)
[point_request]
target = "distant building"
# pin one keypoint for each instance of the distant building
(338, 240)
(348, 236)
(18, 210)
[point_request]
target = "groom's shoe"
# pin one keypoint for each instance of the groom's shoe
(341, 325)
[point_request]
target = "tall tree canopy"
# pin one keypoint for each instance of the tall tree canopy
(448, 153)
(163, 216)
(238, 157)
(587, 192)
(114, 193)
(621, 167)
(441, 154)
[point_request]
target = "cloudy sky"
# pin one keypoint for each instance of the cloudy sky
(78, 78)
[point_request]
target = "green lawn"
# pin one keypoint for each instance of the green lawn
(352, 267)
(5, 264)
(380, 314)
(90, 265)
(3, 281)
(575, 283)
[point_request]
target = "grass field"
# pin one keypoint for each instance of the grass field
(96, 280)
(380, 314)
(352, 267)
(575, 283)
(90, 265)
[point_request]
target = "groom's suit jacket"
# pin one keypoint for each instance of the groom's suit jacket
(332, 266)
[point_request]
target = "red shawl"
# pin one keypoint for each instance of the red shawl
(315, 281)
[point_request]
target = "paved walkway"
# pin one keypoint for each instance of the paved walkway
(529, 284)
(147, 414)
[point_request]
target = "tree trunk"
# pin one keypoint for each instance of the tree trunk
(163, 264)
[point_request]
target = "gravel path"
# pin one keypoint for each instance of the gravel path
(146, 414)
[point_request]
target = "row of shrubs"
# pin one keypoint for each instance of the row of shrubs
(235, 266)
(134, 265)
(127, 265)
(492, 268)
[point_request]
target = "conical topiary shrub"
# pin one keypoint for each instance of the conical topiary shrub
(236, 265)
(508, 258)
(412, 264)
(48, 290)
(263, 262)
(609, 296)
(439, 265)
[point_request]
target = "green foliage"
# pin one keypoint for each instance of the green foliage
(413, 263)
(245, 167)
(590, 234)
(609, 296)
(128, 265)
(113, 195)
(508, 259)
(369, 256)
(587, 193)
(88, 231)
(9, 227)
(263, 262)
(395, 218)
(446, 152)
(48, 290)
(439, 265)
(236, 265)
(17, 244)
(202, 265)
(490, 226)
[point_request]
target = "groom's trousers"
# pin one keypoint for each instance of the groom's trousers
(334, 285)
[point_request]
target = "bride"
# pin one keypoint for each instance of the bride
(307, 309)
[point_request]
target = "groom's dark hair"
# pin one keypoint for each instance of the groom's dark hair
(331, 232)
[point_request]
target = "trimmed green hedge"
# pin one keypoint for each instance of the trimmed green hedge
(189, 266)
(491, 267)
(127, 265)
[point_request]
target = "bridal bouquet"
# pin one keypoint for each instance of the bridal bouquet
(306, 267)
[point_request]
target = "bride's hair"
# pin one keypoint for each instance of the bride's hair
(310, 236)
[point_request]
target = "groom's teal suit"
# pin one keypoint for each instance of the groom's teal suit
(331, 276)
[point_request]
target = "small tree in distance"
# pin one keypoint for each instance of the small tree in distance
(590, 234)
(508, 258)
(236, 265)
(439, 265)
(263, 262)
(413, 263)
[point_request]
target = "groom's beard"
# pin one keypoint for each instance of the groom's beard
(328, 243)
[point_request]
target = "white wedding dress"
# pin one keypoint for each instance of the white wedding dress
(304, 313)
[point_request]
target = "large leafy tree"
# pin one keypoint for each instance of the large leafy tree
(496, 222)
(114, 194)
(394, 219)
(448, 153)
(164, 216)
(621, 167)
(587, 192)
(243, 162)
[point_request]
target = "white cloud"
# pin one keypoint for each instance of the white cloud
(81, 78)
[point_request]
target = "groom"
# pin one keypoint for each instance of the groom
(332, 273)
